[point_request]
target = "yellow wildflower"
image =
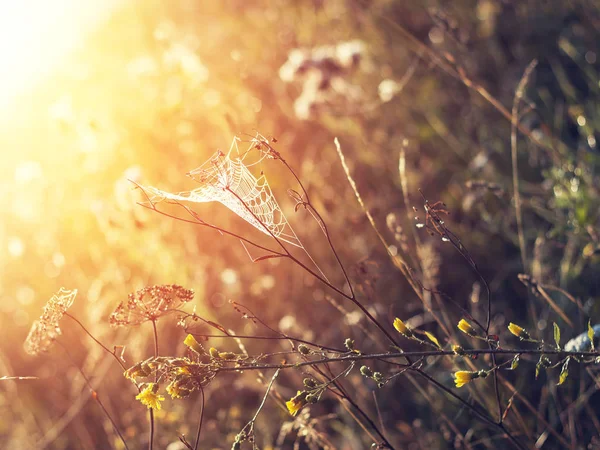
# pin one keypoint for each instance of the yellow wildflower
(463, 377)
(296, 403)
(150, 397)
(518, 331)
(402, 328)
(466, 327)
(194, 345)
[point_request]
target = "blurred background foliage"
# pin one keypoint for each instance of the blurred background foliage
(160, 85)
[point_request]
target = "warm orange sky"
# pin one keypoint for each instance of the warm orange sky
(35, 35)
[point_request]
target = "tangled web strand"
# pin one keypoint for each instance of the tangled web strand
(230, 182)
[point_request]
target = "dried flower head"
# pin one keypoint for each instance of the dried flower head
(141, 369)
(149, 304)
(45, 330)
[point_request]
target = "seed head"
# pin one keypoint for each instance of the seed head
(46, 329)
(149, 304)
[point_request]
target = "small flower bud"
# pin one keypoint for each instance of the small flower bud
(311, 398)
(366, 372)
(378, 376)
(458, 350)
(310, 383)
(303, 349)
(227, 355)
(214, 352)
(349, 344)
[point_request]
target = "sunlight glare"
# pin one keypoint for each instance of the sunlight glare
(36, 34)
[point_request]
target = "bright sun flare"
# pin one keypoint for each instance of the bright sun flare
(36, 34)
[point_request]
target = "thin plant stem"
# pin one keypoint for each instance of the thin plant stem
(365, 416)
(514, 120)
(151, 410)
(95, 396)
(403, 265)
(313, 211)
(155, 338)
(478, 413)
(151, 436)
(262, 404)
(200, 420)
(460, 74)
(436, 225)
(285, 253)
(344, 395)
(197, 221)
(96, 340)
(384, 356)
(274, 338)
(323, 280)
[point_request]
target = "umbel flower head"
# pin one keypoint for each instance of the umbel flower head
(45, 330)
(149, 304)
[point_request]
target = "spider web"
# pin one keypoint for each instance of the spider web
(228, 181)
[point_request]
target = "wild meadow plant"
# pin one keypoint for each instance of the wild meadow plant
(471, 324)
(467, 361)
